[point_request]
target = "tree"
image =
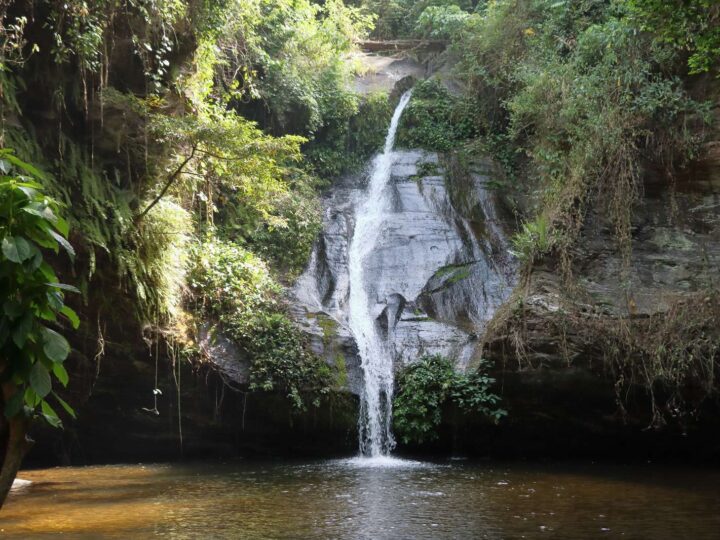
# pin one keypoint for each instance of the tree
(689, 25)
(31, 350)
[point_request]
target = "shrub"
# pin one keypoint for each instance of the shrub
(235, 287)
(427, 387)
(435, 120)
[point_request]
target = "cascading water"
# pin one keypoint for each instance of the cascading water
(375, 428)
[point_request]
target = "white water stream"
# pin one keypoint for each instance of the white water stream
(375, 421)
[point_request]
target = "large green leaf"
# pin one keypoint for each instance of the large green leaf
(55, 300)
(64, 287)
(64, 243)
(40, 380)
(41, 210)
(62, 226)
(61, 373)
(48, 272)
(51, 417)
(16, 249)
(55, 347)
(22, 165)
(71, 316)
(64, 405)
(22, 329)
(14, 405)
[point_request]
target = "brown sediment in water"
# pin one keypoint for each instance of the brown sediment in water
(341, 499)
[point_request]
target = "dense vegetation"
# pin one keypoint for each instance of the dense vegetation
(187, 142)
(429, 387)
(31, 349)
(579, 102)
(575, 98)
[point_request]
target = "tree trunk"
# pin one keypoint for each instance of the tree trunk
(16, 447)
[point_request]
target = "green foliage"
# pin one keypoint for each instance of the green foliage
(441, 22)
(83, 32)
(573, 94)
(692, 26)
(31, 351)
(155, 259)
(346, 144)
(434, 119)
(408, 18)
(247, 183)
(236, 288)
(427, 387)
(289, 55)
(533, 241)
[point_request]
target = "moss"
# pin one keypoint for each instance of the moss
(456, 272)
(341, 375)
(328, 326)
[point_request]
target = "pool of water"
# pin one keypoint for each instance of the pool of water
(361, 499)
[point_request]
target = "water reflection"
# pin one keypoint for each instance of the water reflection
(358, 499)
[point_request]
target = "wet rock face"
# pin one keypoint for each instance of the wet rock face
(435, 280)
(675, 255)
(676, 247)
(550, 353)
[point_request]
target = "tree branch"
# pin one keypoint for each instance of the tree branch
(176, 173)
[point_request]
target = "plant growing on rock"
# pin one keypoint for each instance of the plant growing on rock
(428, 387)
(32, 351)
(235, 287)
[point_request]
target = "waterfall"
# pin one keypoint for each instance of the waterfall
(374, 423)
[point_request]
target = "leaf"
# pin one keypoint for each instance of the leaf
(40, 380)
(13, 309)
(30, 192)
(55, 347)
(24, 166)
(16, 249)
(50, 415)
(62, 226)
(22, 329)
(14, 405)
(48, 272)
(64, 287)
(71, 316)
(64, 405)
(41, 210)
(64, 243)
(31, 398)
(37, 261)
(61, 373)
(41, 235)
(55, 300)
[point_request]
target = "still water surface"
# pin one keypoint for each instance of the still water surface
(353, 499)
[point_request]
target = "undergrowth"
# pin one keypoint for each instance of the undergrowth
(235, 288)
(428, 387)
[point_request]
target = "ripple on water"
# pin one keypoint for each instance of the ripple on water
(384, 462)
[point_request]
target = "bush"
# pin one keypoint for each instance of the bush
(427, 387)
(435, 120)
(346, 144)
(235, 287)
(581, 101)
